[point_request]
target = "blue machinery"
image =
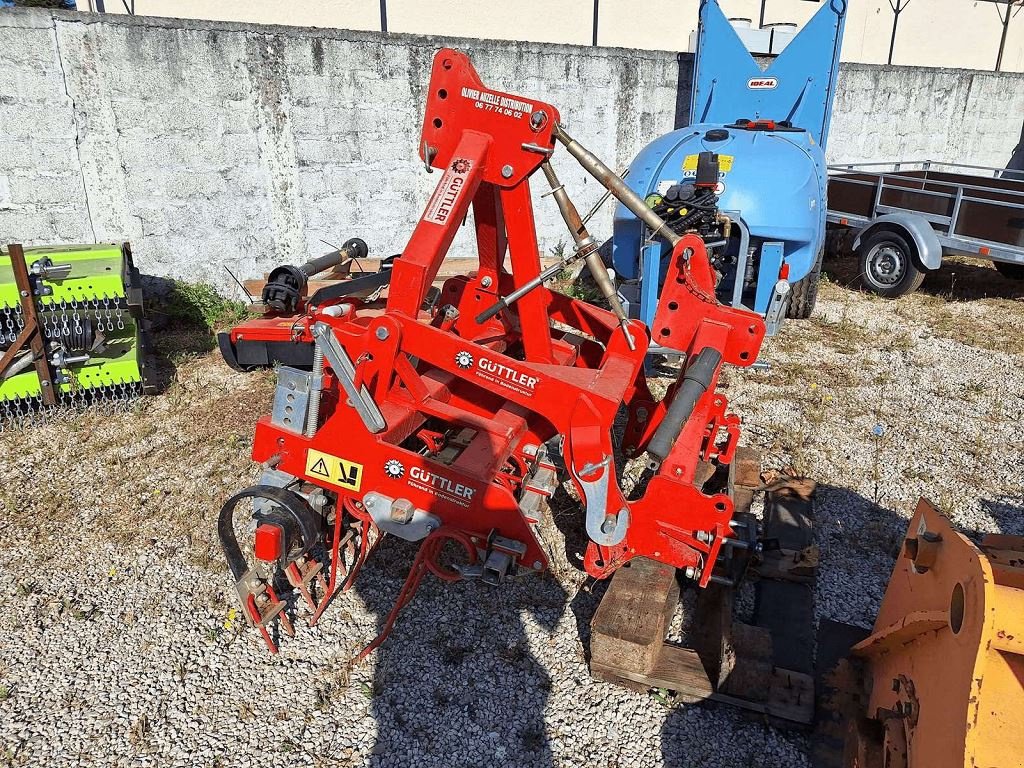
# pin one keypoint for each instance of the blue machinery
(758, 141)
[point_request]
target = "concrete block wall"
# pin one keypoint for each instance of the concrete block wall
(214, 143)
(919, 113)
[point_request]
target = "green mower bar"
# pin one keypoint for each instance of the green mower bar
(71, 326)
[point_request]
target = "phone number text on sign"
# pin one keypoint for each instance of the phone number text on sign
(495, 102)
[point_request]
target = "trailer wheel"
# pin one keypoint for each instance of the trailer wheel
(803, 294)
(1012, 271)
(887, 265)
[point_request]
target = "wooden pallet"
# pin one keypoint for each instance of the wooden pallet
(732, 663)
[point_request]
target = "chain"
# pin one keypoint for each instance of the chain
(65, 320)
(12, 324)
(107, 313)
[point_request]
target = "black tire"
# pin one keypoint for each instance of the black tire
(1011, 271)
(888, 266)
(803, 294)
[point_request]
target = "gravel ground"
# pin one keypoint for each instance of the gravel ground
(120, 644)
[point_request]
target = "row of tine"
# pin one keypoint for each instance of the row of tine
(20, 413)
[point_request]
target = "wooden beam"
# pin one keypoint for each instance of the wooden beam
(31, 319)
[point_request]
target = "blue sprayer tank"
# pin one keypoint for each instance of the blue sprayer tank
(769, 129)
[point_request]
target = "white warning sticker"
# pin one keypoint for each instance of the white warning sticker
(442, 204)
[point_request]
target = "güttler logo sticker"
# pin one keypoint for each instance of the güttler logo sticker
(449, 191)
(394, 469)
(463, 360)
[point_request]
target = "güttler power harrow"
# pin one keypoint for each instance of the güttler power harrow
(449, 415)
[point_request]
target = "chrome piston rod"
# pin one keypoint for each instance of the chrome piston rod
(586, 248)
(614, 184)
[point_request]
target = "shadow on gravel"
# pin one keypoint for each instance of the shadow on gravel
(183, 319)
(959, 279)
(1008, 514)
(963, 279)
(456, 683)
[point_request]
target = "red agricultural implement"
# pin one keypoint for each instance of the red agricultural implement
(449, 415)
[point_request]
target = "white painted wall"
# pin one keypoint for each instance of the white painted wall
(962, 34)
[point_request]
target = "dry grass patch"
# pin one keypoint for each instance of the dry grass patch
(981, 325)
(140, 475)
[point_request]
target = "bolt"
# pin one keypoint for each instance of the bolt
(24, 294)
(641, 415)
(507, 171)
(608, 525)
(691, 572)
(679, 472)
(486, 282)
(704, 536)
(382, 333)
(538, 119)
(537, 565)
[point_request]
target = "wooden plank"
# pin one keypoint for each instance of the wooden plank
(749, 674)
(677, 669)
(681, 670)
(615, 677)
(629, 625)
(742, 500)
(790, 696)
(789, 512)
(789, 565)
(255, 286)
(744, 479)
(839, 693)
(786, 608)
(449, 268)
(747, 467)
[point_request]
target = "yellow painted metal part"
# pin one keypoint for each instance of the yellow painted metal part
(945, 660)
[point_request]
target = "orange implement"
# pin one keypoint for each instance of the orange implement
(945, 661)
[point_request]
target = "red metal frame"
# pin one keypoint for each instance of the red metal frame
(518, 379)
